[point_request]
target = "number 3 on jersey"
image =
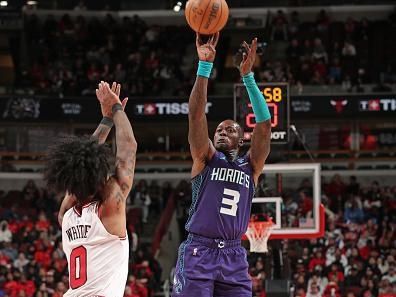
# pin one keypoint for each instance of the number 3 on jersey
(233, 202)
(78, 267)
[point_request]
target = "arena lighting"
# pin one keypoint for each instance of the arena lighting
(31, 3)
(3, 3)
(177, 7)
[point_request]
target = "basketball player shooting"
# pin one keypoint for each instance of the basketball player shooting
(94, 230)
(212, 262)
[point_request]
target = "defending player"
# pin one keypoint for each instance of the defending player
(94, 230)
(211, 261)
(101, 133)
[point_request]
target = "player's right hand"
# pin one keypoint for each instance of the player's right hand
(207, 51)
(103, 96)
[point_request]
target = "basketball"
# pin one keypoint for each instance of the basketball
(206, 16)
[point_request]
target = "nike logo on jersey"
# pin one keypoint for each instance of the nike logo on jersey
(230, 175)
(76, 232)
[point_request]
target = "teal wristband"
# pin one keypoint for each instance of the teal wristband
(204, 68)
(259, 105)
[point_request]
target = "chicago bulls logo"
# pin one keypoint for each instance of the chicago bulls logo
(339, 104)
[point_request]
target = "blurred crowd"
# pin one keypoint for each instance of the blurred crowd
(68, 56)
(357, 256)
(328, 52)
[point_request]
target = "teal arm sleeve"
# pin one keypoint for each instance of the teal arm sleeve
(260, 107)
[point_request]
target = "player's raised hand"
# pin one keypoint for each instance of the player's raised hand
(101, 93)
(248, 57)
(207, 51)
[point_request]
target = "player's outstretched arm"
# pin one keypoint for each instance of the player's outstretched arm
(200, 146)
(126, 150)
(117, 188)
(261, 138)
(104, 128)
(101, 133)
(125, 139)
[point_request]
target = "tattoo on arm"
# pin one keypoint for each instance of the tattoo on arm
(101, 133)
(126, 151)
(126, 166)
(120, 198)
(124, 188)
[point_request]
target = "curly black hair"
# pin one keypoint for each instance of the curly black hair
(77, 165)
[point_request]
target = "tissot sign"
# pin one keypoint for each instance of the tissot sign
(148, 109)
(376, 104)
(165, 108)
(341, 107)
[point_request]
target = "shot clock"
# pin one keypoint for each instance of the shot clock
(277, 97)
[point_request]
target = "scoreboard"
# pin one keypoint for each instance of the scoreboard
(277, 98)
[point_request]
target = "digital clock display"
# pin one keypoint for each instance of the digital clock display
(277, 98)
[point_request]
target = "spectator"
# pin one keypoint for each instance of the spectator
(318, 282)
(136, 288)
(279, 27)
(391, 275)
(30, 193)
(382, 265)
(318, 260)
(294, 23)
(353, 213)
(332, 289)
(335, 71)
(352, 279)
(294, 53)
(142, 199)
(43, 224)
(5, 233)
(156, 197)
(59, 290)
(322, 21)
(350, 29)
(335, 190)
(21, 262)
(134, 239)
(319, 52)
(313, 290)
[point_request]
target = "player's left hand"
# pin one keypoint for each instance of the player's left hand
(100, 94)
(248, 57)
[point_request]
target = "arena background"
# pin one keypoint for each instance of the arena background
(337, 59)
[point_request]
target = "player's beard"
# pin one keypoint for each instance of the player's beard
(223, 147)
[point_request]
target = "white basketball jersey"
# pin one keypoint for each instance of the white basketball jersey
(98, 260)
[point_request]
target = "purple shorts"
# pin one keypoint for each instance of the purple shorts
(211, 268)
